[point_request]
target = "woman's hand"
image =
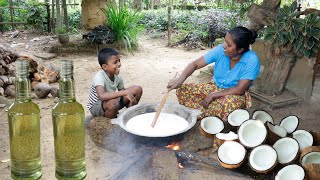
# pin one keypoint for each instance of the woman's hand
(175, 83)
(208, 99)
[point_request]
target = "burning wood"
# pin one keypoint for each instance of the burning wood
(174, 146)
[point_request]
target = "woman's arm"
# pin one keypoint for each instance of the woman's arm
(240, 89)
(194, 65)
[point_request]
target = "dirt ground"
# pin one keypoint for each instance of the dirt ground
(151, 67)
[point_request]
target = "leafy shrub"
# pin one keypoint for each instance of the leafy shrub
(74, 19)
(100, 35)
(125, 25)
(298, 35)
(35, 13)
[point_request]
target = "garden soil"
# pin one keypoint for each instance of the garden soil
(152, 66)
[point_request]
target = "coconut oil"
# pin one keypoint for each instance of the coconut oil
(68, 128)
(24, 128)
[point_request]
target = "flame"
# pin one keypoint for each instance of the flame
(174, 146)
(180, 166)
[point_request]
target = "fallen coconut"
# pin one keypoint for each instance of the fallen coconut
(54, 92)
(237, 117)
(42, 89)
(291, 172)
(262, 116)
(263, 159)
(275, 132)
(220, 138)
(231, 154)
(290, 123)
(310, 161)
(211, 125)
(303, 137)
(252, 133)
(287, 149)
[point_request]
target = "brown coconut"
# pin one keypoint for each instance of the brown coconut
(231, 155)
(42, 90)
(312, 170)
(210, 126)
(316, 138)
(265, 151)
(275, 132)
(54, 92)
(220, 138)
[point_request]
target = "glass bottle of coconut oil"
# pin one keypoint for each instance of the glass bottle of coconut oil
(24, 128)
(68, 128)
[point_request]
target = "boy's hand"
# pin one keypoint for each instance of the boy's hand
(131, 98)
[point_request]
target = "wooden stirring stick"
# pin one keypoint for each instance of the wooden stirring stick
(166, 94)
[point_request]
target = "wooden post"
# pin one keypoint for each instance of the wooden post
(11, 14)
(65, 15)
(52, 21)
(169, 22)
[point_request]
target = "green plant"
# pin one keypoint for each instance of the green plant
(61, 30)
(35, 13)
(124, 23)
(297, 35)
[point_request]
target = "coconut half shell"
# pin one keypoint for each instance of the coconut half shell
(220, 138)
(237, 117)
(252, 133)
(316, 138)
(287, 150)
(290, 123)
(308, 153)
(303, 137)
(291, 172)
(211, 125)
(310, 161)
(262, 116)
(231, 154)
(263, 159)
(275, 132)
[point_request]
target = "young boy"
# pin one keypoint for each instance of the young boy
(108, 95)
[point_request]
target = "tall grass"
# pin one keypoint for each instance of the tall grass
(124, 23)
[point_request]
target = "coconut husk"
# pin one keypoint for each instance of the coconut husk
(219, 142)
(308, 150)
(312, 171)
(231, 166)
(205, 134)
(316, 138)
(272, 137)
(294, 128)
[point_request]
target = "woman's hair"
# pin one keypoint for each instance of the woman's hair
(243, 37)
(105, 54)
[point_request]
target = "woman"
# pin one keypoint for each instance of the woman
(236, 67)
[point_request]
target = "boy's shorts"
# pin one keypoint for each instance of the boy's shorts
(98, 110)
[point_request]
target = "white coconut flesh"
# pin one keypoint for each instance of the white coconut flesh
(231, 153)
(290, 123)
(236, 117)
(277, 130)
(287, 149)
(212, 125)
(262, 116)
(227, 136)
(252, 133)
(311, 158)
(291, 172)
(303, 137)
(262, 158)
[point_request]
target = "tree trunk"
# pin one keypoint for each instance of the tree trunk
(65, 15)
(276, 71)
(58, 15)
(258, 14)
(91, 13)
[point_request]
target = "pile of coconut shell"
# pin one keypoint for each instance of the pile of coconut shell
(264, 146)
